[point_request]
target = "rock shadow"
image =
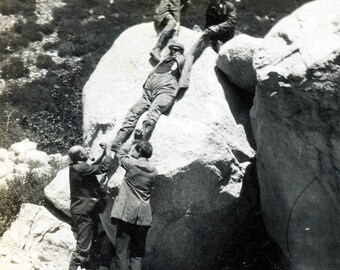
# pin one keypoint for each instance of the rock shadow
(240, 102)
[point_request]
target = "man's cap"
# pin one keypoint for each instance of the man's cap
(176, 45)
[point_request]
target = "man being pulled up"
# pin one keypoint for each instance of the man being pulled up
(160, 90)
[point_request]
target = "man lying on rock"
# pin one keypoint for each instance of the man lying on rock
(86, 200)
(160, 90)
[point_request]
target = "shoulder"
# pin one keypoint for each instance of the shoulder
(80, 167)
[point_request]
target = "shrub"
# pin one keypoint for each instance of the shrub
(29, 189)
(24, 7)
(47, 29)
(44, 61)
(14, 68)
(51, 46)
(11, 41)
(66, 49)
(29, 30)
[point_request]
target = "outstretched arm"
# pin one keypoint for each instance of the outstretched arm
(106, 151)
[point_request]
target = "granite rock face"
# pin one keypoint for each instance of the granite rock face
(199, 149)
(295, 121)
(58, 191)
(36, 240)
(236, 61)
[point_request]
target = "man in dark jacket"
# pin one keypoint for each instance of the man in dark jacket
(131, 209)
(167, 17)
(160, 90)
(86, 197)
(220, 20)
(220, 27)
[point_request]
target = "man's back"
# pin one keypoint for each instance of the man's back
(132, 204)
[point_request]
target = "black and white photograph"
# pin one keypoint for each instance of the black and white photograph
(169, 135)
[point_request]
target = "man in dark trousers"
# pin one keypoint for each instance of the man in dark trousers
(86, 200)
(220, 20)
(167, 18)
(131, 209)
(160, 90)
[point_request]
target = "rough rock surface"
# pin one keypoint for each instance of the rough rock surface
(58, 191)
(236, 61)
(196, 148)
(296, 121)
(36, 240)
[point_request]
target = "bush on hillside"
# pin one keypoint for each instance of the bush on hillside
(44, 61)
(11, 41)
(23, 7)
(14, 68)
(51, 46)
(29, 30)
(65, 49)
(29, 189)
(22, 34)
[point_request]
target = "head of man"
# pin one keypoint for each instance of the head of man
(78, 153)
(175, 48)
(141, 149)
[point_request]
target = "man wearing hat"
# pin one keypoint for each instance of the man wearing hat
(160, 90)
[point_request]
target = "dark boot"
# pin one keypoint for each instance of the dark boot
(120, 138)
(162, 41)
(147, 130)
(156, 54)
(136, 263)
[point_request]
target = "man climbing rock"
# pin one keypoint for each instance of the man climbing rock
(131, 209)
(160, 90)
(167, 21)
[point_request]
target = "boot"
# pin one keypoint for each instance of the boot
(120, 138)
(147, 130)
(156, 51)
(136, 263)
(156, 54)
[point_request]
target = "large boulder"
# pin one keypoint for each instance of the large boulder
(236, 61)
(197, 147)
(295, 120)
(36, 240)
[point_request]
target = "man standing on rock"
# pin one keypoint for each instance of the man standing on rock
(86, 200)
(167, 19)
(131, 209)
(160, 90)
